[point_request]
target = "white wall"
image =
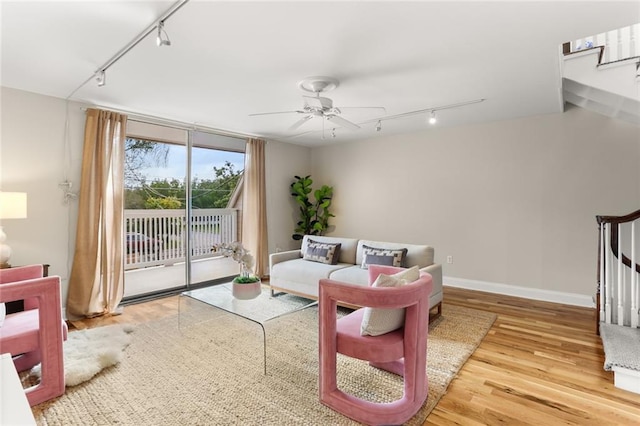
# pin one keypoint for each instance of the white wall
(284, 161)
(513, 202)
(33, 159)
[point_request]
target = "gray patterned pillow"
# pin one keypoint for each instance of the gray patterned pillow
(328, 253)
(382, 256)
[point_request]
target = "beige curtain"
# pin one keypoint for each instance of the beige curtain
(254, 206)
(96, 284)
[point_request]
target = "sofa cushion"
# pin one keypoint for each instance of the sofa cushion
(382, 256)
(348, 246)
(421, 255)
(301, 275)
(354, 274)
(322, 252)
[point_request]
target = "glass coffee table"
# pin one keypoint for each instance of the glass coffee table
(260, 310)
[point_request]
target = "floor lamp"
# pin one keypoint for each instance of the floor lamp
(13, 205)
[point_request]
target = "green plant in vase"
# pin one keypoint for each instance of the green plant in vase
(314, 216)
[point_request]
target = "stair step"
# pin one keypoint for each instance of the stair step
(621, 355)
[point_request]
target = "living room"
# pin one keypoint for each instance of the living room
(510, 201)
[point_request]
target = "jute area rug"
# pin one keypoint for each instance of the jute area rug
(205, 368)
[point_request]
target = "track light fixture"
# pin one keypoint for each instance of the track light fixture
(162, 39)
(378, 126)
(101, 78)
(333, 132)
(432, 117)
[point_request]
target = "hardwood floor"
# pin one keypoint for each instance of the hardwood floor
(540, 364)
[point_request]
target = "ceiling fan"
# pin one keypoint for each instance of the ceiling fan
(319, 106)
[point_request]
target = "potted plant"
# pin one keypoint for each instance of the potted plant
(246, 285)
(314, 217)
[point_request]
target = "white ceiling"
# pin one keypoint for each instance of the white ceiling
(230, 59)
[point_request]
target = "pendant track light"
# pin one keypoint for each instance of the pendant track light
(101, 78)
(162, 39)
(432, 117)
(378, 126)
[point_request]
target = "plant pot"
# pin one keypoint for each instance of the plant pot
(245, 291)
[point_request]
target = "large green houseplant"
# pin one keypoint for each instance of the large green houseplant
(314, 216)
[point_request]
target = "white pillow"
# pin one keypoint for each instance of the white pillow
(412, 274)
(377, 321)
(3, 312)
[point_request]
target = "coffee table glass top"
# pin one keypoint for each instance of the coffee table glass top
(261, 309)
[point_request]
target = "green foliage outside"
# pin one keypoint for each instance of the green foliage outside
(171, 193)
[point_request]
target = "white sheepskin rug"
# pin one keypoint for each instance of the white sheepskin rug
(87, 352)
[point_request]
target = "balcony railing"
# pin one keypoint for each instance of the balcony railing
(616, 45)
(159, 237)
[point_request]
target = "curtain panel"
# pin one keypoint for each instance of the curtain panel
(254, 206)
(96, 284)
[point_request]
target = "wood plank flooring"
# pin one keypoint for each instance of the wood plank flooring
(540, 364)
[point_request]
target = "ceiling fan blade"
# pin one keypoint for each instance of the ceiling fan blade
(342, 122)
(383, 109)
(278, 112)
(300, 122)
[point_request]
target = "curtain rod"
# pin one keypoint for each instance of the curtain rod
(174, 123)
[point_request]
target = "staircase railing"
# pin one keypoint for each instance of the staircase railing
(615, 45)
(618, 295)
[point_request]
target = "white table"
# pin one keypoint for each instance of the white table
(14, 407)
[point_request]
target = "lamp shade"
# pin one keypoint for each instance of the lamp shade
(13, 205)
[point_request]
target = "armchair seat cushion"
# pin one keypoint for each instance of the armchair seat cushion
(384, 348)
(20, 331)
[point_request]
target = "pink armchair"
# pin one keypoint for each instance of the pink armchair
(403, 351)
(36, 334)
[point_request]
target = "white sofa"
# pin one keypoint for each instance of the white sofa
(290, 273)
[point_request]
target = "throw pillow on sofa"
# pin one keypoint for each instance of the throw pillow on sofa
(328, 253)
(378, 321)
(382, 256)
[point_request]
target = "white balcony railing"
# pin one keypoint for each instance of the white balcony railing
(159, 237)
(616, 45)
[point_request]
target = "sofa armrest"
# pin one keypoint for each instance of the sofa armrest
(283, 256)
(435, 270)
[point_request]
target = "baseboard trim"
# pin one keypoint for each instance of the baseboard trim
(524, 292)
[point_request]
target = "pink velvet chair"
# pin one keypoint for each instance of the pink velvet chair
(36, 334)
(402, 352)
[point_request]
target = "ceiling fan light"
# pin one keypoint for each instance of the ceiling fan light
(432, 118)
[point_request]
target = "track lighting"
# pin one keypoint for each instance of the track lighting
(432, 117)
(333, 132)
(378, 126)
(160, 39)
(101, 78)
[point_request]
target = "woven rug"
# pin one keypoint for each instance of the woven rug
(205, 368)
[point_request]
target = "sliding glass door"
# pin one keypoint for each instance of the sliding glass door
(182, 196)
(216, 171)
